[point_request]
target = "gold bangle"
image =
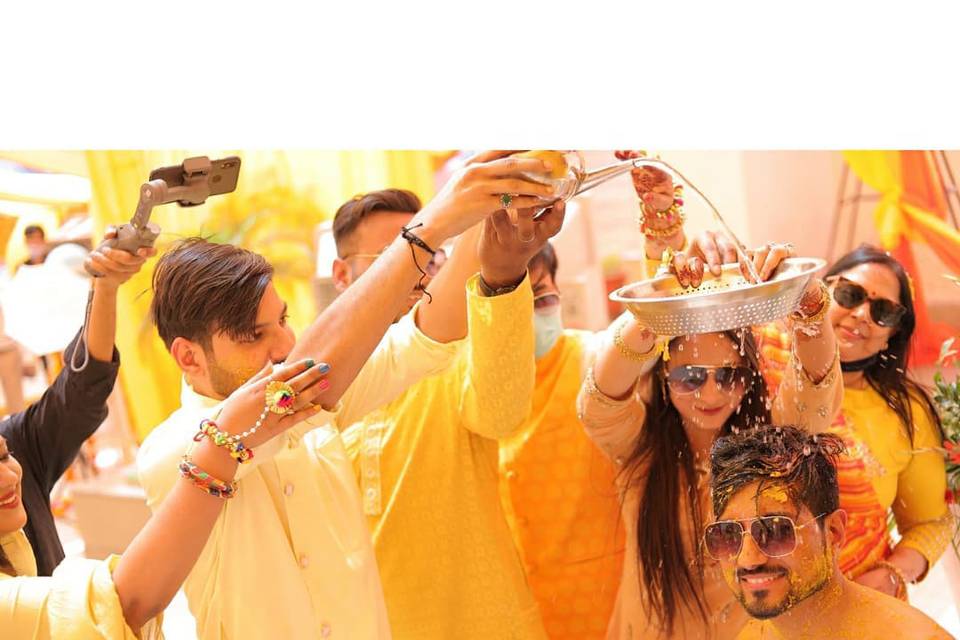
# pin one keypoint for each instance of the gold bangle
(632, 354)
(666, 232)
(897, 573)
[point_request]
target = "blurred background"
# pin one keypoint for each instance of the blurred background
(824, 202)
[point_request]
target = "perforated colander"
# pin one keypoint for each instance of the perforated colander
(720, 303)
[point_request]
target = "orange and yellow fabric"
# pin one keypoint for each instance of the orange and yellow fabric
(879, 471)
(912, 209)
(561, 501)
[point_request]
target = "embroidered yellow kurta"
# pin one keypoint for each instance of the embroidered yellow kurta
(427, 464)
(78, 602)
(561, 500)
(908, 478)
(880, 470)
(615, 426)
(290, 556)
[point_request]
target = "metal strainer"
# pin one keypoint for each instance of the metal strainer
(720, 303)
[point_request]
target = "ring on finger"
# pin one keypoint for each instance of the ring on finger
(280, 397)
(506, 200)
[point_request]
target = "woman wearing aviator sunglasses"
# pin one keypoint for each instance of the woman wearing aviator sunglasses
(657, 419)
(888, 422)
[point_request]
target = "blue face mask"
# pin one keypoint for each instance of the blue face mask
(547, 328)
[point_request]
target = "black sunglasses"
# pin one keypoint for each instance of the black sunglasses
(775, 536)
(884, 312)
(690, 377)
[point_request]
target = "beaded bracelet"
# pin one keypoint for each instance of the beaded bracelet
(205, 482)
(632, 354)
(236, 449)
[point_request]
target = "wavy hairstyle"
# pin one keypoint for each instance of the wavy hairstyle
(663, 461)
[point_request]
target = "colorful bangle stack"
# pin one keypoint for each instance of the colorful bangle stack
(204, 481)
(232, 443)
(672, 215)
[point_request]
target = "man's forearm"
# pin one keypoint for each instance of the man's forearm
(348, 331)
(445, 319)
(102, 329)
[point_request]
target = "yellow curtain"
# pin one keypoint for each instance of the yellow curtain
(280, 198)
(896, 216)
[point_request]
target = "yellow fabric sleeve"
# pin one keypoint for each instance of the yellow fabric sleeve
(498, 365)
(79, 602)
(920, 508)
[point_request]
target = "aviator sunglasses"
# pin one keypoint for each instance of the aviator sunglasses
(690, 378)
(775, 536)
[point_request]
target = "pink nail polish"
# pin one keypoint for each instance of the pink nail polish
(324, 385)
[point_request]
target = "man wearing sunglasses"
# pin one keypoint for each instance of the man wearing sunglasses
(426, 462)
(777, 535)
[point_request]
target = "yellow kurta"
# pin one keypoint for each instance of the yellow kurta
(615, 426)
(78, 602)
(561, 501)
(291, 557)
(909, 478)
(427, 464)
(880, 470)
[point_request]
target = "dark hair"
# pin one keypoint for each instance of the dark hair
(202, 288)
(804, 463)
(547, 259)
(888, 375)
(662, 462)
(352, 212)
(32, 229)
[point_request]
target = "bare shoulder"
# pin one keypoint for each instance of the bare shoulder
(889, 614)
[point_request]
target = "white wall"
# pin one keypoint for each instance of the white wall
(763, 195)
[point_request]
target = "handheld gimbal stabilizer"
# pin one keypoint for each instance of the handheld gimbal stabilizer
(187, 184)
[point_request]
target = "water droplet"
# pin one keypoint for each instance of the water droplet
(806, 450)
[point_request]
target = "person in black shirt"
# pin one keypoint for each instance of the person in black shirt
(47, 436)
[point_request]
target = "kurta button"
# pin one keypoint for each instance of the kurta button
(325, 630)
(511, 474)
(304, 561)
(288, 489)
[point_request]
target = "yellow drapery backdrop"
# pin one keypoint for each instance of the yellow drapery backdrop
(280, 198)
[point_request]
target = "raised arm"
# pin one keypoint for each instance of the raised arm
(661, 207)
(611, 404)
(365, 310)
(445, 318)
(49, 433)
(499, 363)
(116, 267)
